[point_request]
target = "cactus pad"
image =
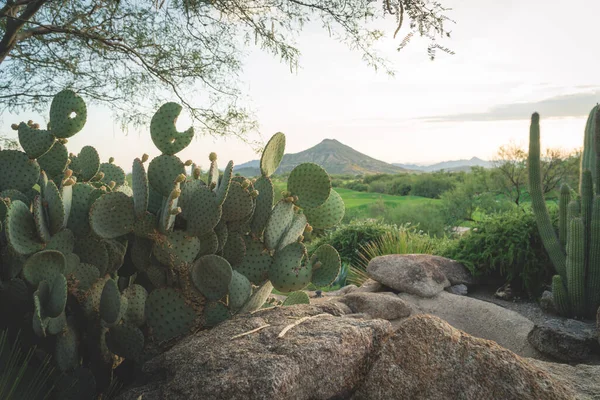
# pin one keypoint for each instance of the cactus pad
(258, 298)
(86, 164)
(21, 230)
(239, 290)
(162, 172)
(146, 225)
(234, 249)
(55, 161)
(298, 297)
(288, 273)
(176, 248)
(209, 244)
(112, 215)
(294, 231)
(311, 184)
(41, 222)
(85, 276)
(54, 208)
(63, 241)
(214, 313)
(256, 263)
(272, 154)
(92, 251)
(35, 142)
(324, 273)
(64, 104)
(167, 314)
(211, 275)
(18, 171)
(112, 173)
(66, 355)
(139, 184)
(14, 195)
(73, 262)
(164, 133)
(264, 205)
(43, 265)
(222, 233)
(57, 298)
(110, 303)
(125, 341)
(238, 204)
(78, 220)
(279, 220)
(199, 208)
(327, 215)
(136, 303)
(224, 183)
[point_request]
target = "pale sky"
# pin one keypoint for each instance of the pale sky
(512, 58)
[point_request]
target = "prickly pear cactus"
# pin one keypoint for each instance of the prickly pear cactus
(108, 271)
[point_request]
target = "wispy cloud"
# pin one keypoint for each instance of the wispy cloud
(569, 105)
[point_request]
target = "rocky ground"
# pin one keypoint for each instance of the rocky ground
(404, 334)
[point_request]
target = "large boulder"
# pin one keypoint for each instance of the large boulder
(582, 379)
(565, 340)
(377, 305)
(428, 359)
(329, 357)
(322, 358)
(478, 318)
(419, 274)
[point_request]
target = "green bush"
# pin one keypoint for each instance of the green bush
(506, 245)
(401, 240)
(347, 239)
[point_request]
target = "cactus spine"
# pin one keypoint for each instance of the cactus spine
(575, 253)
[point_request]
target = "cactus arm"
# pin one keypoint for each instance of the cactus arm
(592, 289)
(588, 157)
(576, 266)
(549, 238)
(565, 198)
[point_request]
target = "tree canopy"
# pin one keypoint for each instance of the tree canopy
(128, 53)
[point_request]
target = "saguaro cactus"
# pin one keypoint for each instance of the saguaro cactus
(575, 253)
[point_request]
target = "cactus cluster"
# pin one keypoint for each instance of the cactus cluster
(575, 251)
(104, 271)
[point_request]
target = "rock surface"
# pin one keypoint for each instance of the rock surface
(582, 379)
(565, 340)
(322, 358)
(371, 286)
(340, 292)
(428, 359)
(478, 318)
(327, 357)
(377, 305)
(547, 302)
(419, 274)
(460, 290)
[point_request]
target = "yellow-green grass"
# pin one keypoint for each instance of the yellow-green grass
(354, 199)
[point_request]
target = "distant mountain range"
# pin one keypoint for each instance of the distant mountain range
(452, 166)
(335, 157)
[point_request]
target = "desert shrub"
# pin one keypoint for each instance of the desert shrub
(378, 187)
(426, 217)
(347, 239)
(431, 185)
(357, 185)
(506, 245)
(401, 240)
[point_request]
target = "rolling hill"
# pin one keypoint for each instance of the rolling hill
(335, 157)
(454, 166)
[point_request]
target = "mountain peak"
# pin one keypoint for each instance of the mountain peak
(336, 158)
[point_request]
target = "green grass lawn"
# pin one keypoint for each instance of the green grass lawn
(354, 199)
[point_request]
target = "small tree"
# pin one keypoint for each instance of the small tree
(128, 54)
